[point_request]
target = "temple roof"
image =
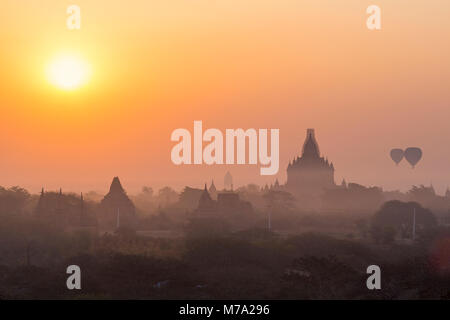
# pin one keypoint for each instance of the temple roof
(205, 203)
(228, 180)
(212, 188)
(117, 195)
(310, 147)
(116, 186)
(205, 195)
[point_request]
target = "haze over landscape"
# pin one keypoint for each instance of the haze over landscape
(99, 100)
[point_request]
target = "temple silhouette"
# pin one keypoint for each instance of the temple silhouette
(117, 210)
(65, 211)
(310, 171)
(310, 174)
(227, 203)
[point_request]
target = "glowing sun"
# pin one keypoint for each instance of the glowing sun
(68, 72)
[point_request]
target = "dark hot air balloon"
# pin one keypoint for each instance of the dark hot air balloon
(413, 155)
(397, 155)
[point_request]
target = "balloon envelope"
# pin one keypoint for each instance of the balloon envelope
(397, 155)
(413, 155)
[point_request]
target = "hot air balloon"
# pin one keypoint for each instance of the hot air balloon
(397, 155)
(413, 155)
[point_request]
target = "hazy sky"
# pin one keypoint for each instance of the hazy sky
(159, 65)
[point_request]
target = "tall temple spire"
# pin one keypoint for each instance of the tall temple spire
(310, 147)
(116, 186)
(310, 174)
(206, 204)
(228, 181)
(58, 202)
(40, 208)
(205, 195)
(212, 188)
(277, 184)
(117, 206)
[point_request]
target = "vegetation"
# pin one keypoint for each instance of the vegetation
(304, 256)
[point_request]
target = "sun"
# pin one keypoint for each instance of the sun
(68, 72)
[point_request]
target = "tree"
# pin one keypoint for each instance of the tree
(167, 196)
(400, 216)
(388, 235)
(376, 233)
(13, 200)
(147, 191)
(313, 277)
(362, 227)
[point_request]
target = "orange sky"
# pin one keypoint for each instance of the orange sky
(160, 65)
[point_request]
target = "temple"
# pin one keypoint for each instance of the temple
(65, 211)
(118, 210)
(206, 205)
(213, 191)
(228, 202)
(310, 174)
(228, 181)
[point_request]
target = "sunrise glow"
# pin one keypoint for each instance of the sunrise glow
(68, 72)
